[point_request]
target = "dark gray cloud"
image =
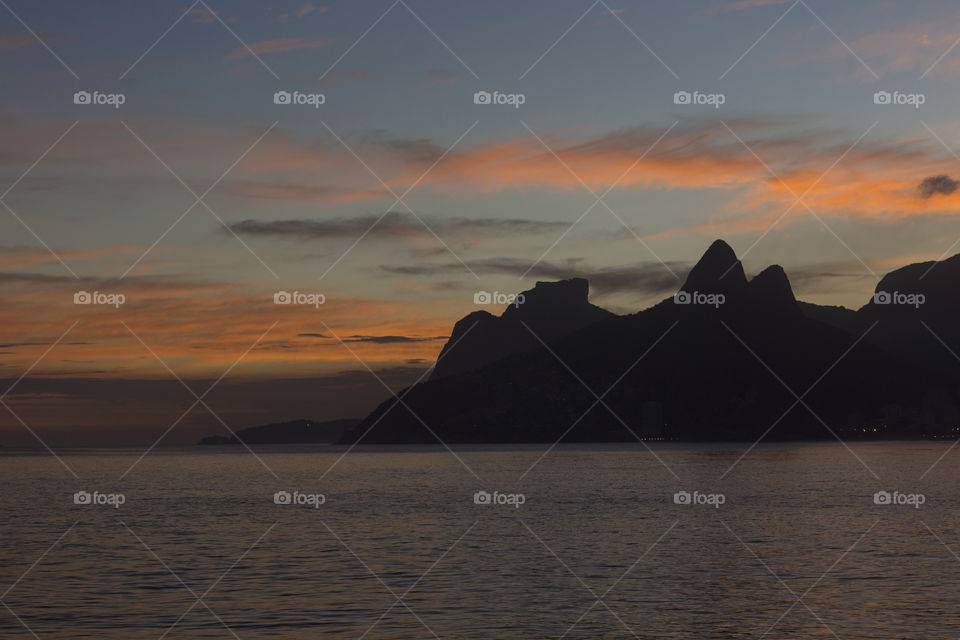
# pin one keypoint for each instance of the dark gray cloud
(393, 225)
(942, 185)
(376, 339)
(392, 339)
(646, 278)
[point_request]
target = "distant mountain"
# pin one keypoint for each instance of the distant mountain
(721, 360)
(551, 309)
(292, 432)
(914, 311)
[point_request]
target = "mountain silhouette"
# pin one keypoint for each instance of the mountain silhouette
(550, 309)
(726, 358)
(291, 432)
(916, 310)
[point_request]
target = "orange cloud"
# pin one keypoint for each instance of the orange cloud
(199, 329)
(308, 8)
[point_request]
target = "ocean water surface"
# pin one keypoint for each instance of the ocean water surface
(602, 541)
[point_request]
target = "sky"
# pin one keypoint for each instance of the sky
(187, 192)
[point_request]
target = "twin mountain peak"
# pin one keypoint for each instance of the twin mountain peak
(554, 309)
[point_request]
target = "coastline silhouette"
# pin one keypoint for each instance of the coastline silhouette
(723, 359)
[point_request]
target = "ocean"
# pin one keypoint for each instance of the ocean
(813, 540)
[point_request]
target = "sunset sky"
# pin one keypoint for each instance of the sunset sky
(399, 197)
